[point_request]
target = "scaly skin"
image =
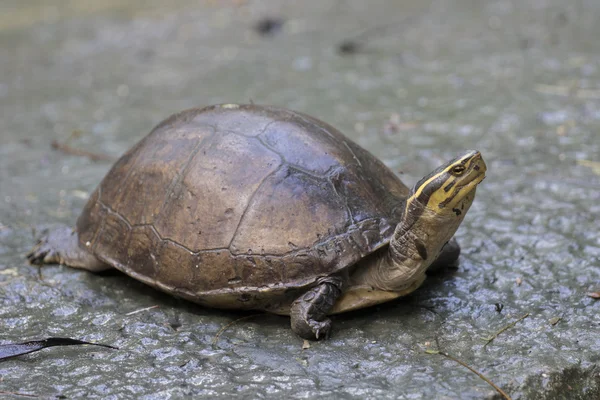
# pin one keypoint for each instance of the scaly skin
(309, 312)
(61, 246)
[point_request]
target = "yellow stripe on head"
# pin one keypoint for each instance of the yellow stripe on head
(446, 186)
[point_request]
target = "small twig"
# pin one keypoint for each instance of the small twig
(18, 394)
(223, 329)
(489, 339)
(142, 310)
(479, 374)
(65, 148)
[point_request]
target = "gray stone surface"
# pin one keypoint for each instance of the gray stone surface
(518, 80)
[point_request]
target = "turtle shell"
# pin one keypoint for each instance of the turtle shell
(230, 205)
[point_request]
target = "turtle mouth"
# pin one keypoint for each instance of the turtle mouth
(473, 181)
(469, 186)
(477, 175)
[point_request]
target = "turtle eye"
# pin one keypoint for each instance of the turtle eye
(458, 170)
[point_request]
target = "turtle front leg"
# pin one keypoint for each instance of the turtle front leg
(309, 311)
(447, 257)
(61, 246)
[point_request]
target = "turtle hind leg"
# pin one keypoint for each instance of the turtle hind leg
(448, 257)
(61, 246)
(309, 312)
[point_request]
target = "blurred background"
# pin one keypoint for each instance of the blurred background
(415, 83)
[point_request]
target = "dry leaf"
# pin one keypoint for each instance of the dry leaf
(555, 320)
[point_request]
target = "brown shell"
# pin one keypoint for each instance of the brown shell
(230, 205)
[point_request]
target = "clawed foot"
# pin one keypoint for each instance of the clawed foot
(320, 329)
(48, 248)
(311, 329)
(43, 253)
(308, 313)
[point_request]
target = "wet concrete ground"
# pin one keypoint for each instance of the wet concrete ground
(519, 81)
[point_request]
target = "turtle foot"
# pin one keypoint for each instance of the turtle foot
(320, 329)
(41, 254)
(48, 249)
(312, 329)
(309, 312)
(61, 246)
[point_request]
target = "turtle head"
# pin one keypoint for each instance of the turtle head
(434, 210)
(449, 190)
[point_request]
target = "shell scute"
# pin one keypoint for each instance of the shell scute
(294, 144)
(140, 185)
(288, 212)
(90, 220)
(176, 266)
(243, 120)
(143, 244)
(114, 229)
(216, 186)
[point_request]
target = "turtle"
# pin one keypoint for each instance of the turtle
(258, 207)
